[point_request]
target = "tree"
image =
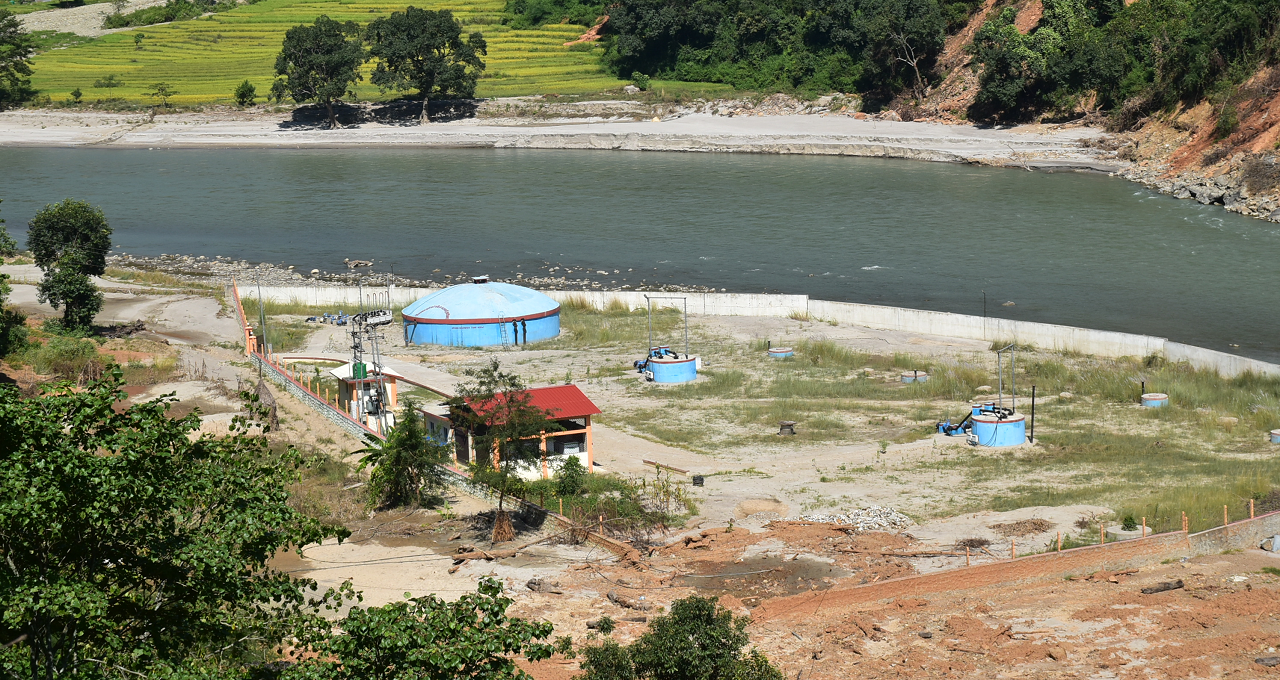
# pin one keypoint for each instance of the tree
(76, 94)
(70, 241)
(13, 334)
(109, 82)
(161, 91)
(16, 48)
(8, 247)
(497, 408)
(424, 50)
(406, 467)
(245, 93)
(698, 640)
(137, 41)
(319, 63)
(133, 547)
(426, 637)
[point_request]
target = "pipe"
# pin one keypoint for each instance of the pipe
(1033, 414)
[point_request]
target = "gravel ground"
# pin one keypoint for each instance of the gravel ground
(85, 20)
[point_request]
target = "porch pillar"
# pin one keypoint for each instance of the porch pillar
(591, 460)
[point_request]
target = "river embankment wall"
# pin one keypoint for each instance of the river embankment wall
(927, 322)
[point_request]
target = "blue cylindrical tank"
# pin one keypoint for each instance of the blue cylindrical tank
(781, 352)
(482, 313)
(993, 431)
(1275, 436)
(1155, 400)
(915, 376)
(674, 370)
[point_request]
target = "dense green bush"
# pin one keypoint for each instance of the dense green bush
(812, 46)
(698, 640)
(1135, 59)
(522, 14)
(173, 10)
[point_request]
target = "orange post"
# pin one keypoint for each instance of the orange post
(1250, 508)
(1224, 516)
(1144, 527)
(1013, 548)
(562, 506)
(1185, 528)
(966, 556)
(1059, 541)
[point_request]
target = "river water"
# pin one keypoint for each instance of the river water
(1075, 249)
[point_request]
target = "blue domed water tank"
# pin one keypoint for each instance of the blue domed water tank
(482, 313)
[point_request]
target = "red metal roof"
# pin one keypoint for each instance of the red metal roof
(563, 401)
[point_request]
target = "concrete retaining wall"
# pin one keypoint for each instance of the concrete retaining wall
(1043, 335)
(1227, 364)
(349, 297)
(1132, 554)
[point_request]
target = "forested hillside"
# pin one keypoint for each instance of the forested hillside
(1055, 59)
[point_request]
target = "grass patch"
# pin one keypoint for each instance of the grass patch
(1138, 475)
(154, 278)
(582, 326)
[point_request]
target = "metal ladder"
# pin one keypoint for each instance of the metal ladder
(502, 328)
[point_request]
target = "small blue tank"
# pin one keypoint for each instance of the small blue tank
(991, 430)
(1155, 400)
(781, 352)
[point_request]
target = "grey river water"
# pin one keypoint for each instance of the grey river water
(1076, 249)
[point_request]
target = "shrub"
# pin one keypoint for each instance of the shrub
(245, 93)
(698, 640)
(1228, 121)
(68, 358)
(569, 480)
(641, 80)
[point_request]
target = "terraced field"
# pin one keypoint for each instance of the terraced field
(204, 59)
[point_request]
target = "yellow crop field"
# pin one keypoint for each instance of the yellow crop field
(204, 59)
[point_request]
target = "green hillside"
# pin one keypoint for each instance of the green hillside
(204, 59)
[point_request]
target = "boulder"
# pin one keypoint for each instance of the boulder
(630, 89)
(891, 115)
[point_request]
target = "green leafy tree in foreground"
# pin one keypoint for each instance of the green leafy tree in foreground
(698, 640)
(426, 638)
(424, 50)
(70, 241)
(245, 93)
(16, 48)
(406, 467)
(132, 548)
(319, 63)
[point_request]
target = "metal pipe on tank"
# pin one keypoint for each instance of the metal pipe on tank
(1000, 377)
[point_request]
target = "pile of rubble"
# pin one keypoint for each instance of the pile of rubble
(874, 518)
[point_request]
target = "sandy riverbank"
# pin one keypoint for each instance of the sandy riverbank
(1032, 146)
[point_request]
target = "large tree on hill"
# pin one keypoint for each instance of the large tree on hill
(134, 548)
(16, 48)
(70, 241)
(319, 63)
(424, 50)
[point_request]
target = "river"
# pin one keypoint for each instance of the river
(1067, 248)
